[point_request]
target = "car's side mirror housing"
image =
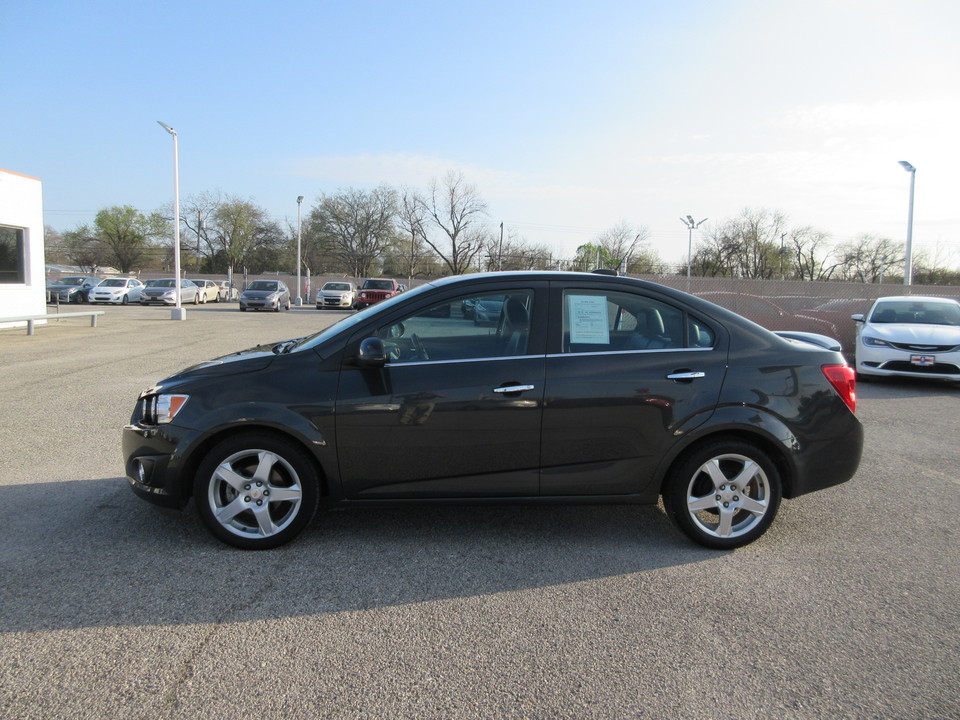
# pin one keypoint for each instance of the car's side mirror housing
(371, 354)
(857, 318)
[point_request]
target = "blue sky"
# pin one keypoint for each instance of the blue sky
(569, 117)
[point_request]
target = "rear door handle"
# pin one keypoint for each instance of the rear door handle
(686, 375)
(513, 389)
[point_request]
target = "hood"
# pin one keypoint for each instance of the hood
(244, 361)
(260, 293)
(916, 334)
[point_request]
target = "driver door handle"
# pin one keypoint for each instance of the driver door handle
(686, 375)
(513, 388)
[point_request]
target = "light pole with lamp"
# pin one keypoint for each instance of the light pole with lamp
(299, 300)
(691, 226)
(908, 261)
(178, 312)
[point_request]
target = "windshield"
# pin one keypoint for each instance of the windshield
(114, 282)
(262, 285)
(917, 312)
(71, 281)
(336, 286)
(162, 283)
(378, 285)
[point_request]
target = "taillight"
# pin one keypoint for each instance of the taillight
(844, 381)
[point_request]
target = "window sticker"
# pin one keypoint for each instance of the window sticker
(589, 323)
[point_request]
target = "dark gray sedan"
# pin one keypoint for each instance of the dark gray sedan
(588, 388)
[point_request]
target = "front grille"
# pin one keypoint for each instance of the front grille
(912, 347)
(935, 369)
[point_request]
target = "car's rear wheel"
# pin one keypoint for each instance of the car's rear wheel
(724, 494)
(256, 490)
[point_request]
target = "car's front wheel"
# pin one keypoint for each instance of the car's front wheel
(256, 490)
(723, 494)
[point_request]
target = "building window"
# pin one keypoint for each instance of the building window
(12, 265)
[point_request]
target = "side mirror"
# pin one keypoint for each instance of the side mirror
(371, 353)
(857, 318)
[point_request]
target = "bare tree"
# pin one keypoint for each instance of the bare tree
(83, 249)
(622, 244)
(869, 258)
(455, 209)
(807, 255)
(359, 225)
(747, 246)
(412, 250)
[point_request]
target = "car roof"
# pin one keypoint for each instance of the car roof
(917, 298)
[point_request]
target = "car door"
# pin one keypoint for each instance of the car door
(627, 373)
(456, 409)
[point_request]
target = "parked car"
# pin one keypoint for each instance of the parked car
(227, 291)
(116, 290)
(265, 295)
(376, 290)
(909, 336)
(337, 294)
(164, 291)
(589, 389)
(72, 289)
(209, 290)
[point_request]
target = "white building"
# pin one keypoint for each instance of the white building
(22, 280)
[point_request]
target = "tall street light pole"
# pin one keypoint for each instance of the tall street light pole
(178, 312)
(691, 226)
(299, 300)
(908, 262)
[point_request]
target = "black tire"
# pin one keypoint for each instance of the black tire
(125, 300)
(723, 494)
(270, 482)
(196, 299)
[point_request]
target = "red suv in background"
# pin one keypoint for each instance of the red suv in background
(374, 290)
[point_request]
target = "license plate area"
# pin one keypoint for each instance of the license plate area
(923, 360)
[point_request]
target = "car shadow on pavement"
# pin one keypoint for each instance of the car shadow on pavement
(91, 554)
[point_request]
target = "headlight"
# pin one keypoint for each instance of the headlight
(875, 342)
(160, 409)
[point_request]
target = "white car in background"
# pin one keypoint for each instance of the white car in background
(209, 290)
(120, 291)
(336, 294)
(909, 336)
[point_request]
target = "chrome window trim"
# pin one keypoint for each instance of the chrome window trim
(464, 360)
(629, 352)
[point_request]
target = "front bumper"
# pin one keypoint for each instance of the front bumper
(333, 302)
(154, 464)
(887, 362)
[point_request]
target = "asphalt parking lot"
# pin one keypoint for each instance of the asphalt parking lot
(849, 607)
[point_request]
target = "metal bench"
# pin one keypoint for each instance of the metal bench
(31, 320)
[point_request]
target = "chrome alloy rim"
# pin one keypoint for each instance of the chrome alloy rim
(728, 495)
(255, 493)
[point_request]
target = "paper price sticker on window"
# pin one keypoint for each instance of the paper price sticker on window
(589, 322)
